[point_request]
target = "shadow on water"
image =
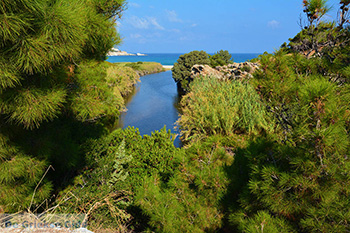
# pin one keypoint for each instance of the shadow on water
(153, 104)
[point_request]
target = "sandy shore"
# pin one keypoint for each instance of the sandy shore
(168, 67)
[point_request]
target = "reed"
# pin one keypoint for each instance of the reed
(221, 107)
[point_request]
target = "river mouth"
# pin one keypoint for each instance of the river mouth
(153, 104)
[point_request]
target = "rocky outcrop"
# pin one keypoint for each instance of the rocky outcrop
(205, 70)
(238, 70)
(232, 71)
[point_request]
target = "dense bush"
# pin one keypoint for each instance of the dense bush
(100, 191)
(190, 201)
(117, 164)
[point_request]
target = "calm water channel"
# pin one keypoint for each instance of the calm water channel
(153, 105)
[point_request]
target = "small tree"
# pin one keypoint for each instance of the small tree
(182, 68)
(221, 58)
(318, 38)
(314, 10)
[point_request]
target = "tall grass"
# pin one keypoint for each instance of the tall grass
(221, 107)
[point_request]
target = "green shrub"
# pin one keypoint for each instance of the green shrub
(152, 154)
(117, 165)
(190, 201)
(100, 192)
(221, 58)
(143, 68)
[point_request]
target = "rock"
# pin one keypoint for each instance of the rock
(238, 70)
(205, 70)
(234, 71)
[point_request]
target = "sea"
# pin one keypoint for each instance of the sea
(171, 58)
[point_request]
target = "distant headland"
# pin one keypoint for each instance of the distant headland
(117, 52)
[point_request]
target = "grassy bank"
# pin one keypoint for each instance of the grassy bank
(143, 68)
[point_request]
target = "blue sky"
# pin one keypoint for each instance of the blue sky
(181, 26)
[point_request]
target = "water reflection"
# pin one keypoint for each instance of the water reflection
(153, 104)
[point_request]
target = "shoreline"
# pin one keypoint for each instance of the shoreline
(167, 67)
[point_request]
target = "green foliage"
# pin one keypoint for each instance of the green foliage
(220, 58)
(190, 200)
(110, 8)
(143, 68)
(326, 40)
(268, 155)
(153, 154)
(31, 106)
(59, 35)
(246, 69)
(101, 29)
(45, 46)
(315, 9)
(96, 95)
(299, 173)
(134, 66)
(19, 176)
(262, 222)
(116, 166)
(122, 79)
(99, 192)
(8, 76)
(39, 40)
(303, 41)
(182, 68)
(221, 107)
